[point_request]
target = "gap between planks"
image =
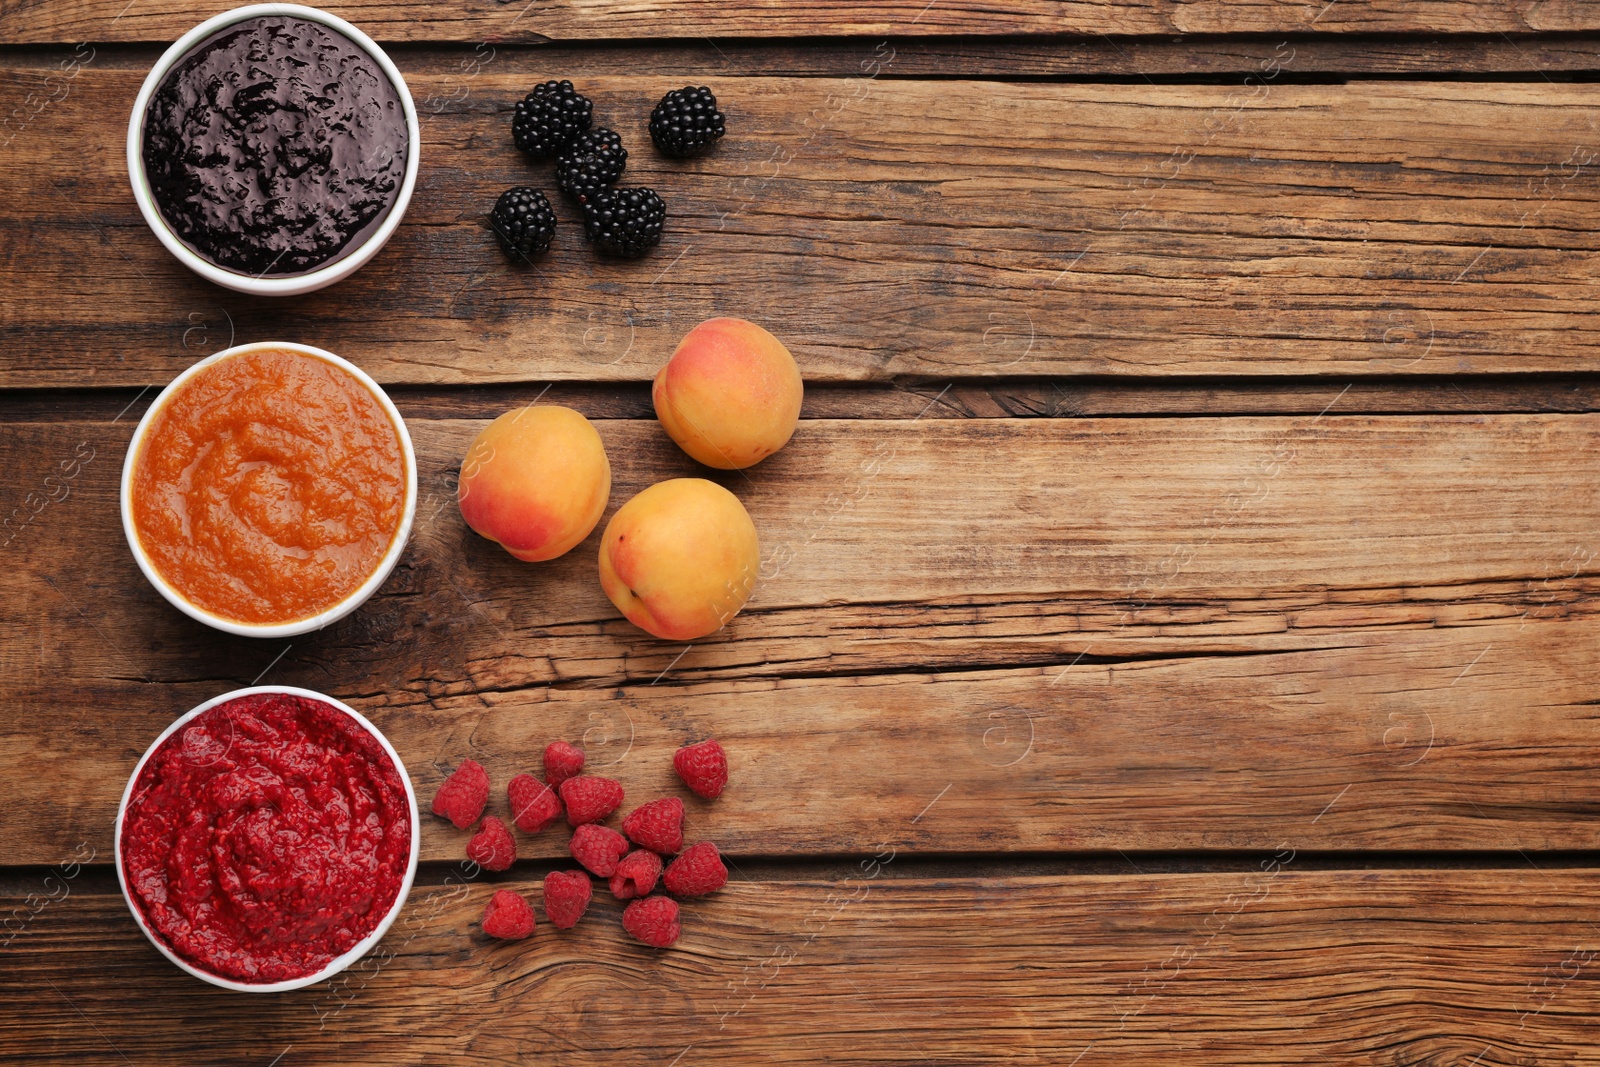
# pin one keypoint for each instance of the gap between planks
(1199, 58)
(100, 879)
(1062, 397)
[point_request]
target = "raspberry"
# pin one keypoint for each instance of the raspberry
(491, 847)
(653, 920)
(590, 798)
(507, 916)
(534, 805)
(598, 848)
(566, 898)
(657, 826)
(697, 872)
(636, 875)
(561, 761)
(462, 795)
(703, 768)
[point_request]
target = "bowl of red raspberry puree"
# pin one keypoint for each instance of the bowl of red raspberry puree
(267, 839)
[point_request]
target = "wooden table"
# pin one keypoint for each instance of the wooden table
(1180, 615)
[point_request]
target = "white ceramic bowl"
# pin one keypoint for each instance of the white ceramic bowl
(339, 963)
(300, 626)
(244, 283)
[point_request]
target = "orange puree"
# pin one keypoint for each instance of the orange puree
(269, 487)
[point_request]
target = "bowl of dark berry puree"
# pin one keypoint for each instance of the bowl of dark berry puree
(273, 149)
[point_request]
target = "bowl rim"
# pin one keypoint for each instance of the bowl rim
(338, 963)
(359, 596)
(356, 257)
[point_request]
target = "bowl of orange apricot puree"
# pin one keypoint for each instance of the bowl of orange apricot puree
(269, 490)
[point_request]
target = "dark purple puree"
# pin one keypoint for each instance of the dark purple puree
(275, 146)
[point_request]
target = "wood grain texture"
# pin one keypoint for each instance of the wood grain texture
(1088, 527)
(1480, 738)
(1348, 230)
(1232, 623)
(43, 21)
(1275, 966)
(986, 655)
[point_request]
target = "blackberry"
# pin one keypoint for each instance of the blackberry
(550, 118)
(686, 121)
(599, 139)
(594, 161)
(524, 222)
(624, 222)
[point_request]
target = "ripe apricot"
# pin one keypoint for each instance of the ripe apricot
(730, 395)
(536, 481)
(680, 559)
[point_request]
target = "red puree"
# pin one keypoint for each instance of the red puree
(266, 837)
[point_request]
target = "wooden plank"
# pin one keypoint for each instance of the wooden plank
(1273, 965)
(1370, 229)
(39, 21)
(1402, 606)
(1256, 523)
(1475, 738)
